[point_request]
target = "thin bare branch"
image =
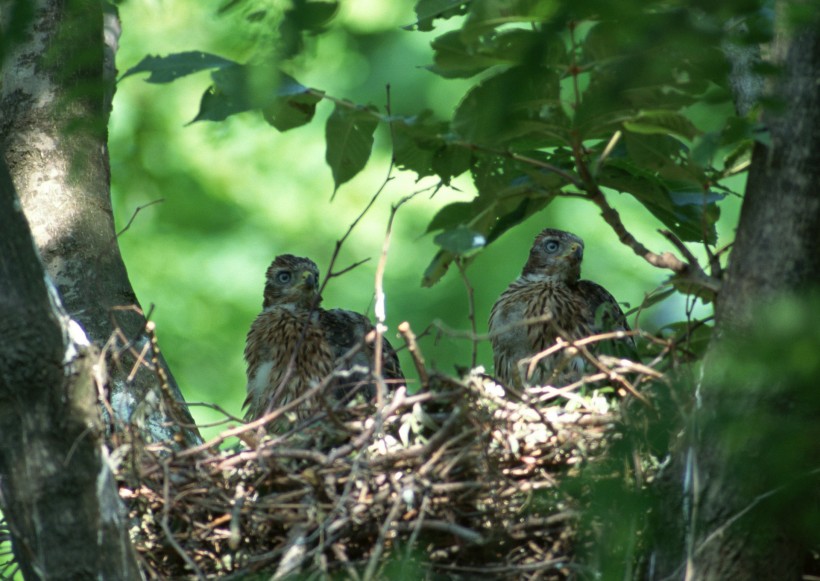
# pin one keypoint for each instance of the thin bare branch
(134, 215)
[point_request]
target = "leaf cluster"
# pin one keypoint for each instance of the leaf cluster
(565, 101)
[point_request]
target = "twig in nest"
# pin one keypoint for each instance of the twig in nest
(294, 555)
(612, 375)
(446, 527)
(563, 344)
(257, 423)
(415, 353)
(169, 535)
(361, 440)
(378, 549)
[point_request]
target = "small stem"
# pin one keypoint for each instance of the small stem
(471, 313)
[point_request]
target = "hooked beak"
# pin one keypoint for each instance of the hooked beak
(576, 251)
(308, 279)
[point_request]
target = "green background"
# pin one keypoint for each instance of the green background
(237, 193)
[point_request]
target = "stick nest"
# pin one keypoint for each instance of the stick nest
(456, 482)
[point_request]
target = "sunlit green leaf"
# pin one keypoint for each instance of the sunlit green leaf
(663, 123)
(741, 153)
(164, 69)
(349, 136)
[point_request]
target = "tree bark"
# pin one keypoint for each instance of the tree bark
(722, 481)
(57, 491)
(56, 95)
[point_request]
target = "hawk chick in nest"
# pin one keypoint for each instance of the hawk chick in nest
(294, 344)
(549, 290)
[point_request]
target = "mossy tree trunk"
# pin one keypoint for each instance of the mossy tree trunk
(58, 494)
(64, 292)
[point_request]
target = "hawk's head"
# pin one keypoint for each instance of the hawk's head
(292, 280)
(557, 255)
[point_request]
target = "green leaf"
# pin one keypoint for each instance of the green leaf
(421, 144)
(437, 268)
(302, 17)
(411, 154)
(506, 105)
(704, 148)
(427, 11)
(294, 111)
(650, 152)
(683, 207)
(312, 16)
(415, 141)
(520, 212)
(450, 161)
(485, 15)
(164, 69)
(240, 88)
(663, 123)
(692, 337)
(652, 299)
(508, 195)
(460, 240)
(217, 105)
(451, 215)
(349, 137)
(743, 152)
(453, 57)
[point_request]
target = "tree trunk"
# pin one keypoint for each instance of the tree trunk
(57, 87)
(57, 491)
(724, 528)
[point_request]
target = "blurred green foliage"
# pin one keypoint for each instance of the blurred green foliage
(237, 192)
(763, 404)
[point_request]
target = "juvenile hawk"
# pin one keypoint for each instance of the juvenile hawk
(294, 344)
(549, 290)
